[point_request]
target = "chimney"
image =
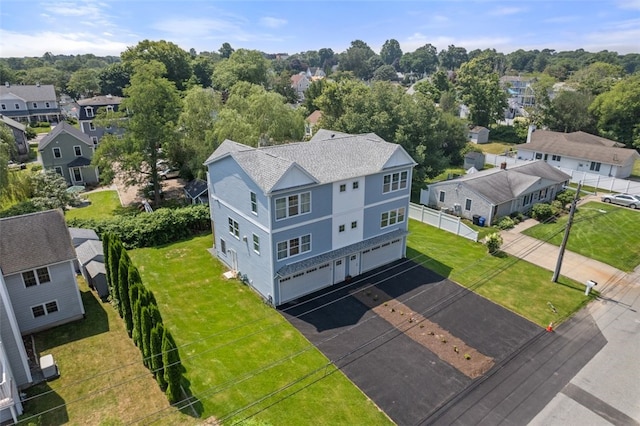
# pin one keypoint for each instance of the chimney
(503, 165)
(532, 128)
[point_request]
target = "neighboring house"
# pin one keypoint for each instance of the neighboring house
(498, 192)
(38, 288)
(296, 218)
(89, 251)
(29, 103)
(88, 109)
(311, 122)
(579, 151)
(197, 192)
(479, 134)
(519, 89)
(19, 132)
(315, 73)
(68, 151)
(300, 83)
(474, 159)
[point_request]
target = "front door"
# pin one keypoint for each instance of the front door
(354, 264)
(76, 174)
(338, 271)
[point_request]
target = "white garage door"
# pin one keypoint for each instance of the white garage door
(305, 282)
(380, 255)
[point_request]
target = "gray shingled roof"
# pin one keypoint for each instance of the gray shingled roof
(327, 157)
(88, 251)
(94, 268)
(30, 93)
(580, 145)
(100, 101)
(12, 123)
(66, 128)
(499, 186)
(34, 240)
(82, 234)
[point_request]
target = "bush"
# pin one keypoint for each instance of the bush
(160, 227)
(542, 212)
(505, 223)
(565, 198)
(506, 134)
(517, 217)
(494, 242)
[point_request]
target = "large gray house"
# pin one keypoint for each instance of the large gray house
(89, 108)
(26, 103)
(498, 192)
(68, 151)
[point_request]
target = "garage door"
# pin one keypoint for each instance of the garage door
(305, 282)
(381, 255)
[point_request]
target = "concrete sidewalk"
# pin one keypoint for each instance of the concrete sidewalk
(606, 390)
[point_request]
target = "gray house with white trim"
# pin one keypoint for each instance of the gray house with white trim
(68, 151)
(38, 291)
(579, 151)
(295, 218)
(89, 108)
(29, 103)
(19, 132)
(497, 192)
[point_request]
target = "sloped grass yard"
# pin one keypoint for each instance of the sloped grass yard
(102, 206)
(611, 237)
(517, 285)
(241, 356)
(102, 379)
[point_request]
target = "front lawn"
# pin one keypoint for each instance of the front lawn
(517, 285)
(102, 379)
(497, 148)
(241, 356)
(102, 205)
(612, 238)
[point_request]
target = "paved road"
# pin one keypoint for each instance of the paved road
(585, 373)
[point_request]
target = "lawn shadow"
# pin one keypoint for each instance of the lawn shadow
(192, 405)
(429, 262)
(95, 322)
(43, 402)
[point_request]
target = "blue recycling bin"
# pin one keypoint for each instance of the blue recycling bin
(481, 220)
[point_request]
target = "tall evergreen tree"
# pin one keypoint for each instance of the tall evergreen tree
(123, 280)
(146, 326)
(157, 366)
(172, 367)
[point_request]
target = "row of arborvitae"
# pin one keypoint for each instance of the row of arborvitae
(139, 309)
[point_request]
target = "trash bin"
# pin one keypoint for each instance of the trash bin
(481, 221)
(476, 219)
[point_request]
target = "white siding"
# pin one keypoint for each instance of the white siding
(305, 282)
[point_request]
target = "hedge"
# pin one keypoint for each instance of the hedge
(159, 227)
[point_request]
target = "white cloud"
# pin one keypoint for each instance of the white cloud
(37, 43)
(623, 41)
(629, 4)
(271, 22)
(442, 42)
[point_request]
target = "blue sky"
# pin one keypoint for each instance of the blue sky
(31, 28)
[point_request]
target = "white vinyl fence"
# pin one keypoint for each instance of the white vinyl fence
(442, 220)
(608, 184)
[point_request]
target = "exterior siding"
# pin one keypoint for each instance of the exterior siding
(578, 164)
(374, 183)
(66, 143)
(320, 232)
(372, 218)
(15, 354)
(62, 288)
(321, 206)
(458, 194)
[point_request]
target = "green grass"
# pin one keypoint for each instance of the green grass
(447, 174)
(497, 147)
(635, 173)
(611, 238)
(102, 205)
(517, 285)
(85, 350)
(237, 350)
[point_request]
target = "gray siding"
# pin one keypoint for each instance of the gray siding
(373, 186)
(14, 355)
(456, 193)
(62, 288)
(66, 142)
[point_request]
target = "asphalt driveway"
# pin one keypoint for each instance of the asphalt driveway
(404, 378)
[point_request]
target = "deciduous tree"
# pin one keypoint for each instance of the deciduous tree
(177, 61)
(479, 88)
(390, 51)
(617, 112)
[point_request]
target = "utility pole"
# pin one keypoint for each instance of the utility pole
(563, 246)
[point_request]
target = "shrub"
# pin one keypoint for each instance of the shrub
(494, 242)
(565, 198)
(542, 212)
(506, 134)
(505, 223)
(517, 217)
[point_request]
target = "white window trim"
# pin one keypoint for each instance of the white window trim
(396, 221)
(94, 139)
(254, 203)
(286, 198)
(44, 308)
(255, 236)
(92, 126)
(289, 255)
(234, 228)
(89, 111)
(57, 149)
(400, 181)
(58, 170)
(72, 171)
(35, 274)
(75, 152)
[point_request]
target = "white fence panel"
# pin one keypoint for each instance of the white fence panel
(606, 183)
(442, 221)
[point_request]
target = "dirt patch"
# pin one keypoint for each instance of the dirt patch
(447, 347)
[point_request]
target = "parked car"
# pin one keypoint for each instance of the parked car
(168, 173)
(631, 201)
(16, 166)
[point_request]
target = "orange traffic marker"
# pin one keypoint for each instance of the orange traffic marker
(550, 327)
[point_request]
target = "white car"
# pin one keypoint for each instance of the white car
(631, 201)
(168, 173)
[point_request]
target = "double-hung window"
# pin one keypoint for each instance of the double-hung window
(392, 217)
(254, 203)
(293, 205)
(394, 182)
(36, 277)
(294, 246)
(234, 228)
